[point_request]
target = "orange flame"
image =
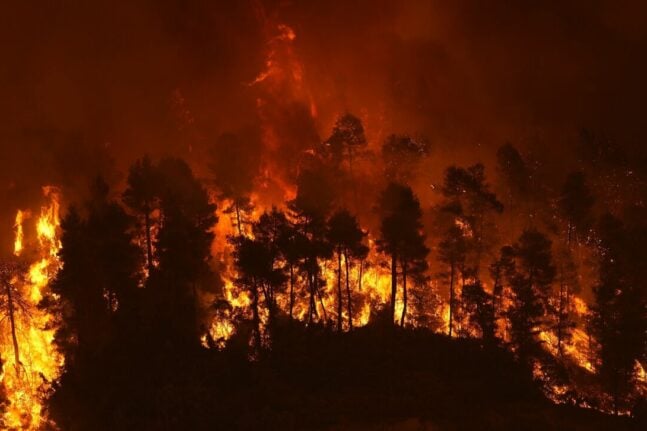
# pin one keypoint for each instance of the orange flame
(40, 363)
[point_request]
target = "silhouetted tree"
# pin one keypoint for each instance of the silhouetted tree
(619, 322)
(254, 262)
(98, 275)
(575, 203)
(310, 209)
(452, 251)
(467, 189)
(141, 196)
(346, 139)
(346, 238)
(501, 270)
(401, 155)
(270, 231)
(234, 164)
(531, 284)
(400, 235)
(183, 250)
(291, 244)
(479, 306)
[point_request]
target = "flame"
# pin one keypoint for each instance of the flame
(26, 382)
(20, 235)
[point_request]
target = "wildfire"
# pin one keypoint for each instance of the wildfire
(31, 361)
(20, 235)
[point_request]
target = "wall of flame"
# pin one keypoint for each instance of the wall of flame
(27, 383)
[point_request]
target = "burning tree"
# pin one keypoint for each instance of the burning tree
(346, 238)
(30, 359)
(310, 209)
(234, 165)
(13, 303)
(530, 282)
(142, 196)
(401, 238)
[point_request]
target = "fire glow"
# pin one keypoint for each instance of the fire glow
(31, 363)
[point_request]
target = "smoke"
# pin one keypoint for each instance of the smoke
(89, 86)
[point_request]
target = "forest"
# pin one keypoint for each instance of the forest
(180, 297)
(323, 215)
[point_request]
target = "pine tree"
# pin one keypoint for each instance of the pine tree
(452, 251)
(575, 203)
(141, 196)
(402, 155)
(401, 237)
(234, 164)
(531, 284)
(619, 321)
(310, 209)
(183, 250)
(346, 238)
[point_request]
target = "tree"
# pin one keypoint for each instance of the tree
(310, 209)
(479, 306)
(291, 242)
(531, 283)
(254, 262)
(401, 155)
(346, 238)
(567, 279)
(619, 322)
(98, 277)
(501, 270)
(400, 236)
(141, 196)
(270, 231)
(575, 203)
(234, 164)
(413, 263)
(452, 252)
(346, 139)
(183, 250)
(116, 258)
(12, 302)
(467, 189)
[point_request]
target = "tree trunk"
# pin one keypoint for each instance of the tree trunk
(269, 299)
(149, 242)
(560, 318)
(318, 293)
(291, 291)
(12, 322)
(256, 321)
(451, 299)
(394, 285)
(348, 295)
(339, 303)
(404, 292)
(312, 308)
